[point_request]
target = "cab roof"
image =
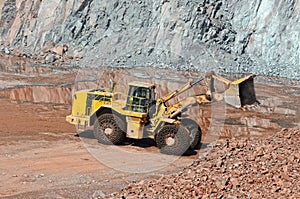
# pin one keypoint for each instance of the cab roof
(141, 84)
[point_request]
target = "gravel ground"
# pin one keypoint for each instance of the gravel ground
(258, 168)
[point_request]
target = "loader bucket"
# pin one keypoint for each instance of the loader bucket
(241, 92)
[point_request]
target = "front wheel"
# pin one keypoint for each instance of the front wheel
(194, 132)
(109, 129)
(173, 140)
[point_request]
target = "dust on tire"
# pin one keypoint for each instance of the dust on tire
(109, 129)
(194, 131)
(178, 134)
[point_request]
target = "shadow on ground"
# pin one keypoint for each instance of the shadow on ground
(143, 143)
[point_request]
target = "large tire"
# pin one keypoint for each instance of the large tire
(173, 140)
(194, 132)
(109, 129)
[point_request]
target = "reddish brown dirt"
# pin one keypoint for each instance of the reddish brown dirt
(41, 158)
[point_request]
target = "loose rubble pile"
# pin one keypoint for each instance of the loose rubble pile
(265, 168)
(50, 54)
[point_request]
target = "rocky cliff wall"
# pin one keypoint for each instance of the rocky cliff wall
(259, 36)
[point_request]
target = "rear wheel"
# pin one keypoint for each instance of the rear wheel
(109, 129)
(173, 140)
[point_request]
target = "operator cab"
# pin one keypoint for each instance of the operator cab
(141, 97)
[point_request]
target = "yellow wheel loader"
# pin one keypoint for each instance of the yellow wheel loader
(140, 115)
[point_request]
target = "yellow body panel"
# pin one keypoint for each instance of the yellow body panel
(135, 127)
(158, 116)
(87, 103)
(79, 99)
(80, 121)
(96, 105)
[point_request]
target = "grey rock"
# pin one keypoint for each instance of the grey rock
(41, 175)
(260, 37)
(6, 51)
(98, 194)
(50, 58)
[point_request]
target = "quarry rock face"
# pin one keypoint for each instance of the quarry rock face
(259, 36)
